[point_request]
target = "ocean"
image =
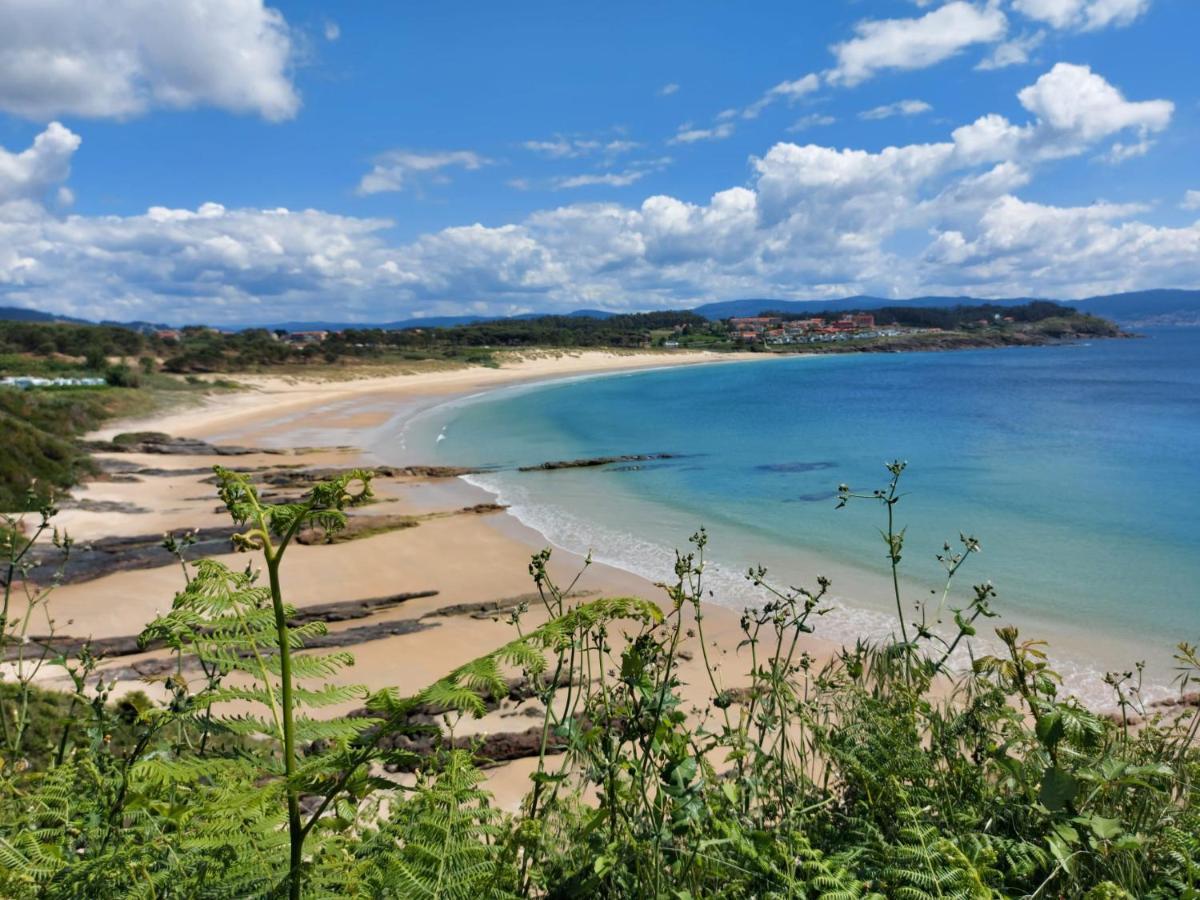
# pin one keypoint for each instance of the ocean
(1071, 464)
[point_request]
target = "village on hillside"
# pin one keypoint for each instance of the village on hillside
(780, 330)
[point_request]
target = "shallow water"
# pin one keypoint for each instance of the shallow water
(1073, 465)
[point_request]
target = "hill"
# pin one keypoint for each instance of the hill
(20, 314)
(1149, 307)
(1140, 307)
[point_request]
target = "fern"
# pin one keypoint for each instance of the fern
(440, 843)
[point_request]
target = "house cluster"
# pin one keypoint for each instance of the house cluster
(25, 382)
(305, 337)
(776, 330)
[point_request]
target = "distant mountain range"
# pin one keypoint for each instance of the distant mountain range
(1135, 308)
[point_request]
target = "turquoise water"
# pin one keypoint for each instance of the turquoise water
(1074, 466)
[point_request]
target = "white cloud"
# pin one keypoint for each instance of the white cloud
(1076, 100)
(30, 174)
(690, 135)
(120, 58)
(331, 30)
(810, 221)
(812, 120)
(607, 179)
(1070, 252)
(1084, 15)
(1119, 152)
(668, 89)
(915, 43)
(623, 178)
(1074, 108)
(1014, 52)
(1191, 200)
(790, 91)
(899, 108)
(397, 170)
(560, 147)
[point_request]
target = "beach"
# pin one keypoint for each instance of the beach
(468, 554)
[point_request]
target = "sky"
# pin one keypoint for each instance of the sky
(234, 161)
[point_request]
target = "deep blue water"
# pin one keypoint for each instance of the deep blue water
(1075, 465)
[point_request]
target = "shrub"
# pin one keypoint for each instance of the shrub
(884, 772)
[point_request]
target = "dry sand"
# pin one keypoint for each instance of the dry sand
(466, 558)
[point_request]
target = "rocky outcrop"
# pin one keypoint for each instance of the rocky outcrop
(104, 556)
(488, 749)
(487, 609)
(594, 461)
(340, 611)
(158, 442)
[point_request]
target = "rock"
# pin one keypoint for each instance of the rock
(794, 467)
(94, 559)
(298, 477)
(487, 609)
(594, 462)
(356, 527)
(340, 611)
(345, 610)
(488, 749)
(157, 442)
(102, 506)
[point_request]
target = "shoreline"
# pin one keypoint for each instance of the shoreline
(862, 606)
(498, 546)
(271, 400)
(463, 557)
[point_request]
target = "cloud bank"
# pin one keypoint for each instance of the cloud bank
(809, 221)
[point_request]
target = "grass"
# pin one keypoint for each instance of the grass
(40, 430)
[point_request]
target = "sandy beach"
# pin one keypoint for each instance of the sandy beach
(465, 555)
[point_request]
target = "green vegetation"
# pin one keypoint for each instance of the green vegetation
(887, 772)
(984, 315)
(39, 453)
(56, 348)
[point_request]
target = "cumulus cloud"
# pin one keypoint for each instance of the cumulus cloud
(1084, 15)
(398, 170)
(915, 43)
(1075, 100)
(810, 221)
(30, 174)
(1071, 251)
(899, 108)
(1191, 200)
(1074, 108)
(123, 57)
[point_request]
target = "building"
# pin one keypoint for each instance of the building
(307, 337)
(25, 382)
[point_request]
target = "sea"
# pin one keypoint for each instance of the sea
(1075, 466)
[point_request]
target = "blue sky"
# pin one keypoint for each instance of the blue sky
(231, 161)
